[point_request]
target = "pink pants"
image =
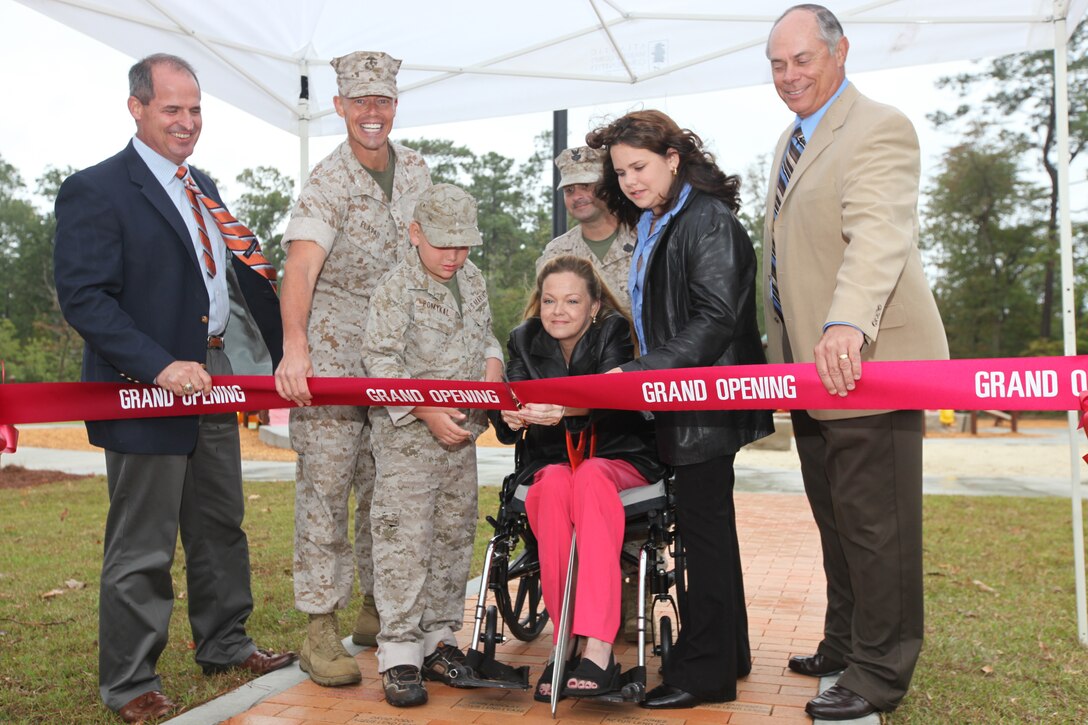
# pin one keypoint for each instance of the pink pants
(587, 501)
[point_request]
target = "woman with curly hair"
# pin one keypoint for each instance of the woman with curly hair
(692, 285)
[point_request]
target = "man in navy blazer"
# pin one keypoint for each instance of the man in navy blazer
(154, 304)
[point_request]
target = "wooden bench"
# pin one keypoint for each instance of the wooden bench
(998, 416)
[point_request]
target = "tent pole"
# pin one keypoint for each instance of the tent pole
(303, 124)
(1061, 110)
(559, 142)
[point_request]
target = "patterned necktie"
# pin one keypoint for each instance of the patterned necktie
(239, 240)
(789, 161)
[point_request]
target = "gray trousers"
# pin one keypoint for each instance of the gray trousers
(152, 497)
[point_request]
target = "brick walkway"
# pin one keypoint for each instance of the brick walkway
(785, 588)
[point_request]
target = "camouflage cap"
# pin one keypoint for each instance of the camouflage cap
(579, 165)
(447, 214)
(366, 73)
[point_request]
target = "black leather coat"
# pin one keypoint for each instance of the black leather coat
(699, 310)
(625, 435)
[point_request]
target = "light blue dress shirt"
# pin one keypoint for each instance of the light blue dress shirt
(644, 247)
(165, 172)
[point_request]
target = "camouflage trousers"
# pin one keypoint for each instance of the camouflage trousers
(334, 460)
(423, 518)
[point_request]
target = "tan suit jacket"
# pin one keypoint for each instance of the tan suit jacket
(846, 240)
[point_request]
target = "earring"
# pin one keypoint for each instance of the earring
(674, 171)
(593, 320)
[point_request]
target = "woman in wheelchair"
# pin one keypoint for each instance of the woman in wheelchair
(580, 459)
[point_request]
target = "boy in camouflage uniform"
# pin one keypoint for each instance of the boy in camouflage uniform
(349, 227)
(429, 318)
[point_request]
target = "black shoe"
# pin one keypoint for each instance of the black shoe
(816, 665)
(546, 679)
(838, 703)
(667, 697)
(604, 680)
(447, 664)
(404, 686)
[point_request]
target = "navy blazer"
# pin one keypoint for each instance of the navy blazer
(130, 283)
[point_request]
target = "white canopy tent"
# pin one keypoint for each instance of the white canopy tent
(484, 58)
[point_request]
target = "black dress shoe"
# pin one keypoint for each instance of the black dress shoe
(667, 697)
(838, 703)
(816, 666)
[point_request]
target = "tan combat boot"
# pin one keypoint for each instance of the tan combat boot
(367, 625)
(323, 656)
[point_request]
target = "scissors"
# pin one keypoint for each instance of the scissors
(510, 390)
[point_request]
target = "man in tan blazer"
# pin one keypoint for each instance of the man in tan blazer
(844, 286)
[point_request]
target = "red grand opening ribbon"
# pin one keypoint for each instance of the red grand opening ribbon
(1045, 383)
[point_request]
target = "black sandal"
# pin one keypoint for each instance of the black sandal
(604, 681)
(546, 679)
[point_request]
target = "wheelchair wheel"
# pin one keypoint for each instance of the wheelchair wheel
(491, 632)
(665, 647)
(523, 612)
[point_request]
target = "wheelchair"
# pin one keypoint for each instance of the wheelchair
(510, 597)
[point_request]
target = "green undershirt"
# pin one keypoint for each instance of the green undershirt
(384, 179)
(455, 290)
(600, 248)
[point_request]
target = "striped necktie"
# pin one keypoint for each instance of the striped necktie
(789, 161)
(239, 240)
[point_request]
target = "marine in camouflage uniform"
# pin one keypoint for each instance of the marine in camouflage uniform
(424, 509)
(345, 232)
(580, 169)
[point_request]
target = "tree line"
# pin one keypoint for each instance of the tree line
(989, 222)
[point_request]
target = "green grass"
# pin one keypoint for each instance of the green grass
(1007, 655)
(48, 646)
(1001, 640)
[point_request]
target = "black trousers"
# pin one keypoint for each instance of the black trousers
(863, 478)
(152, 497)
(712, 649)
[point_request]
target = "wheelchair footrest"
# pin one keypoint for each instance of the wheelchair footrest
(492, 673)
(632, 688)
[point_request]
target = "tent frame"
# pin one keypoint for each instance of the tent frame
(1058, 19)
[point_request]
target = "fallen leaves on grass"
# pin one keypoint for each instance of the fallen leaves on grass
(987, 670)
(70, 585)
(983, 587)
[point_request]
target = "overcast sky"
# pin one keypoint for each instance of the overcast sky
(65, 97)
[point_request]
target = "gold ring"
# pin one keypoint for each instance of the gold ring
(843, 356)
(187, 388)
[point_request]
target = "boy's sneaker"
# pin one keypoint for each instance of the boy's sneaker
(403, 686)
(447, 664)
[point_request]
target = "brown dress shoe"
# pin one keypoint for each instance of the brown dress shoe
(148, 706)
(262, 661)
(259, 663)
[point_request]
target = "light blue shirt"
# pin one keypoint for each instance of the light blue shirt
(808, 125)
(165, 172)
(640, 259)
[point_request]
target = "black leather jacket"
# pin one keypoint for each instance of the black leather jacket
(621, 434)
(699, 310)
